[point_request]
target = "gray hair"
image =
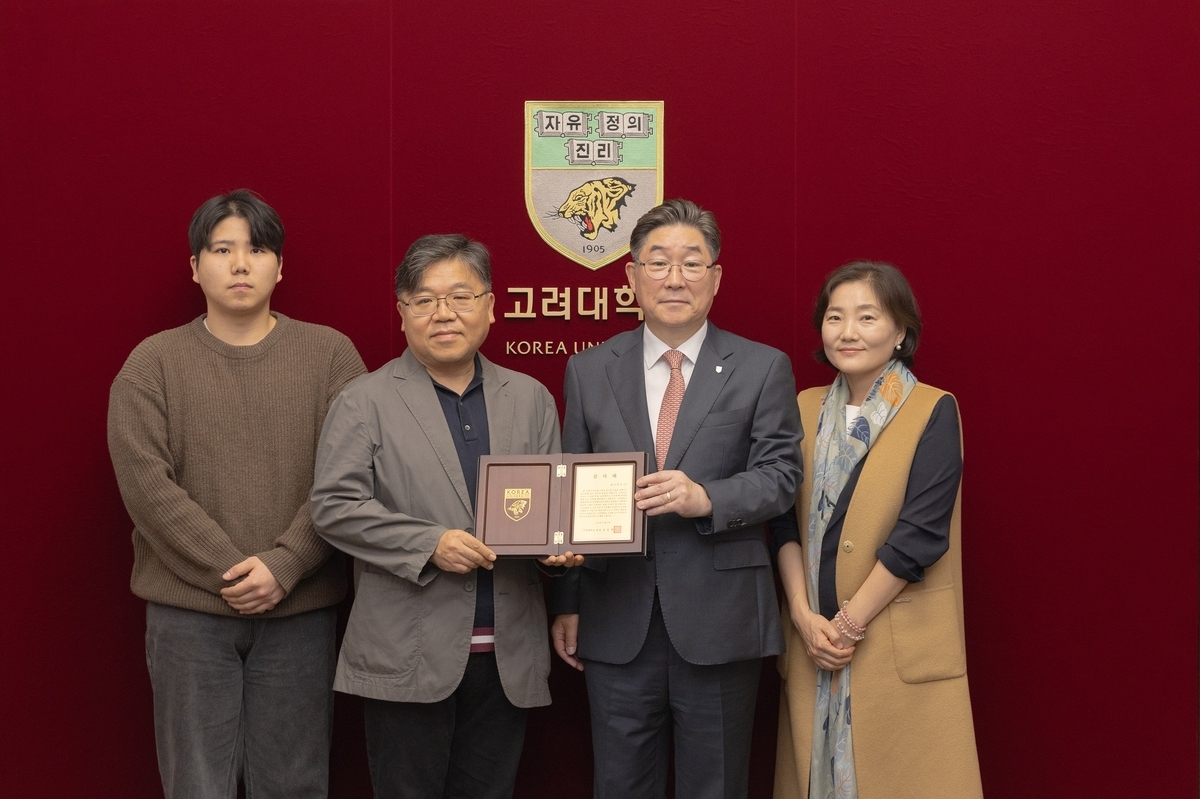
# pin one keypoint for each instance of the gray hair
(676, 212)
(429, 250)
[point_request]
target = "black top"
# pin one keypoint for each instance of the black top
(922, 533)
(466, 416)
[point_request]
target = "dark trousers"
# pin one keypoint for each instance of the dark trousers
(636, 707)
(247, 698)
(466, 746)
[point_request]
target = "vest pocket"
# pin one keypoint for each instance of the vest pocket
(926, 644)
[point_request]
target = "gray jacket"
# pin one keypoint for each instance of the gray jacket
(388, 484)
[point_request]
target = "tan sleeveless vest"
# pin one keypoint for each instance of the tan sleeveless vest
(911, 710)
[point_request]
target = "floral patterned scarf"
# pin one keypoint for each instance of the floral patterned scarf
(836, 452)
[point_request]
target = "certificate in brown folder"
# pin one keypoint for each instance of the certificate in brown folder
(550, 504)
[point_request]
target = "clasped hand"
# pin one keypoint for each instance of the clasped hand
(255, 591)
(822, 640)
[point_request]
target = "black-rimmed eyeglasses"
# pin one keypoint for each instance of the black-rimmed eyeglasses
(427, 304)
(659, 269)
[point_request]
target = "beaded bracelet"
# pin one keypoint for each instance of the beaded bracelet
(850, 621)
(837, 622)
(855, 633)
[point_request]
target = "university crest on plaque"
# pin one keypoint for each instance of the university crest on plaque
(516, 503)
(591, 169)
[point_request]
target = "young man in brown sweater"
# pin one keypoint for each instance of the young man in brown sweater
(212, 429)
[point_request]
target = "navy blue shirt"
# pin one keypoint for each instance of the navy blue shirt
(466, 416)
(922, 533)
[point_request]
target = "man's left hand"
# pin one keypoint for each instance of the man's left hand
(672, 491)
(256, 592)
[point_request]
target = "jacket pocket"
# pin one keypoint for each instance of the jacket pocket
(721, 418)
(740, 554)
(383, 636)
(926, 644)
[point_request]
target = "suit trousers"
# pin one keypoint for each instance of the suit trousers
(466, 746)
(636, 708)
(247, 698)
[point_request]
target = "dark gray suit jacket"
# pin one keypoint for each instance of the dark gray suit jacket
(388, 485)
(738, 435)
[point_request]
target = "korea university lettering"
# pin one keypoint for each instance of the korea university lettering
(591, 302)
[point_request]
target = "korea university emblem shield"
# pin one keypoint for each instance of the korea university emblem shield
(591, 170)
(516, 503)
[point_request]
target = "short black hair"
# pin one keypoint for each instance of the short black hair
(895, 297)
(266, 229)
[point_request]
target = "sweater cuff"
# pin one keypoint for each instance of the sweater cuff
(284, 567)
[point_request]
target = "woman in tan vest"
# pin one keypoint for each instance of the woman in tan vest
(872, 572)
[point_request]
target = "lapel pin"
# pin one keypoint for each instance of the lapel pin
(718, 370)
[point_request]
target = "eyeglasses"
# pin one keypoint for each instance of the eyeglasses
(427, 304)
(691, 270)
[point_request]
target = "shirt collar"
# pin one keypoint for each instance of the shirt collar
(475, 383)
(653, 347)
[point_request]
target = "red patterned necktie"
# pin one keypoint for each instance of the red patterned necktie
(669, 409)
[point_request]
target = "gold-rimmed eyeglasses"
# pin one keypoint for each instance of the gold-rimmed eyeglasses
(692, 271)
(427, 304)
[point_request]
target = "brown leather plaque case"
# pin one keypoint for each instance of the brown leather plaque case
(550, 504)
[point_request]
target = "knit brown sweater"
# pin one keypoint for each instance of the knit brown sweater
(213, 448)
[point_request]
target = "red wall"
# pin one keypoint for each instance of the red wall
(1032, 167)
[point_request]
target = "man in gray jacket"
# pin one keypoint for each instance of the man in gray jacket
(446, 644)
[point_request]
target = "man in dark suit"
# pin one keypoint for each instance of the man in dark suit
(672, 642)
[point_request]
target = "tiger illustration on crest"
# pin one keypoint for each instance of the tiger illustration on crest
(517, 510)
(596, 205)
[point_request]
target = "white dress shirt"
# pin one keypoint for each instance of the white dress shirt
(852, 414)
(658, 371)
